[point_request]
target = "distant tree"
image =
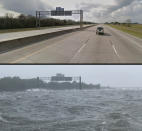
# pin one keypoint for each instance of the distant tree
(9, 15)
(106, 23)
(22, 17)
(28, 21)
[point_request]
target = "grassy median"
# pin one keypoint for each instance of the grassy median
(134, 29)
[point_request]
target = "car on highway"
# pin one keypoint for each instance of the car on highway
(100, 30)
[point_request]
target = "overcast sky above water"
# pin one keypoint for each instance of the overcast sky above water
(115, 76)
(95, 10)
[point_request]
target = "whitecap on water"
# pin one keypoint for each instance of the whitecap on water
(33, 90)
(2, 119)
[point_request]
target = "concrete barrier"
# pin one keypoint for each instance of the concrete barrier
(21, 42)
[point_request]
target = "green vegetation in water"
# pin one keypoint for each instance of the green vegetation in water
(133, 29)
(18, 84)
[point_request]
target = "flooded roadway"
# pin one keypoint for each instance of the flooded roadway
(71, 110)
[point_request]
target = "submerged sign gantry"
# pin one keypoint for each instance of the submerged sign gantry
(58, 12)
(62, 78)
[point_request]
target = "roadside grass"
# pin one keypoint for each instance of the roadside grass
(30, 29)
(134, 29)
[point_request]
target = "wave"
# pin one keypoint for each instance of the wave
(2, 119)
(127, 89)
(35, 90)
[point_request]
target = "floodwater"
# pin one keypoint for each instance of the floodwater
(71, 110)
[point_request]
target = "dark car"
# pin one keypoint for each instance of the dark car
(100, 30)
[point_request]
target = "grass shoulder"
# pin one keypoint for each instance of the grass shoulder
(133, 29)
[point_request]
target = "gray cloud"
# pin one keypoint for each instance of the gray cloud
(133, 11)
(119, 4)
(121, 8)
(88, 6)
(24, 6)
(108, 9)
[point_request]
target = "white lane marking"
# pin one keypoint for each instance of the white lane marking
(115, 50)
(76, 54)
(80, 49)
(113, 46)
(86, 41)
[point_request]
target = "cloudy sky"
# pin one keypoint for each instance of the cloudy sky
(115, 76)
(94, 10)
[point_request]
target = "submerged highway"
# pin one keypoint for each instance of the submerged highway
(82, 46)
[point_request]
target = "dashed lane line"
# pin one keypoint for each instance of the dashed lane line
(81, 48)
(113, 46)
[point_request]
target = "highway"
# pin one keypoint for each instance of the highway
(80, 47)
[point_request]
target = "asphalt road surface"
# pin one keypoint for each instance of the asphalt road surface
(80, 47)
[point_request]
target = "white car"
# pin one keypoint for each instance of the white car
(100, 30)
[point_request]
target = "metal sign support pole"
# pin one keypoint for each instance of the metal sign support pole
(39, 19)
(80, 83)
(36, 20)
(81, 18)
(37, 82)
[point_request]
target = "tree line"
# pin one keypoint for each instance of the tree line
(28, 21)
(127, 23)
(18, 84)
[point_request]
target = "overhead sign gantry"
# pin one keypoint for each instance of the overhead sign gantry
(58, 12)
